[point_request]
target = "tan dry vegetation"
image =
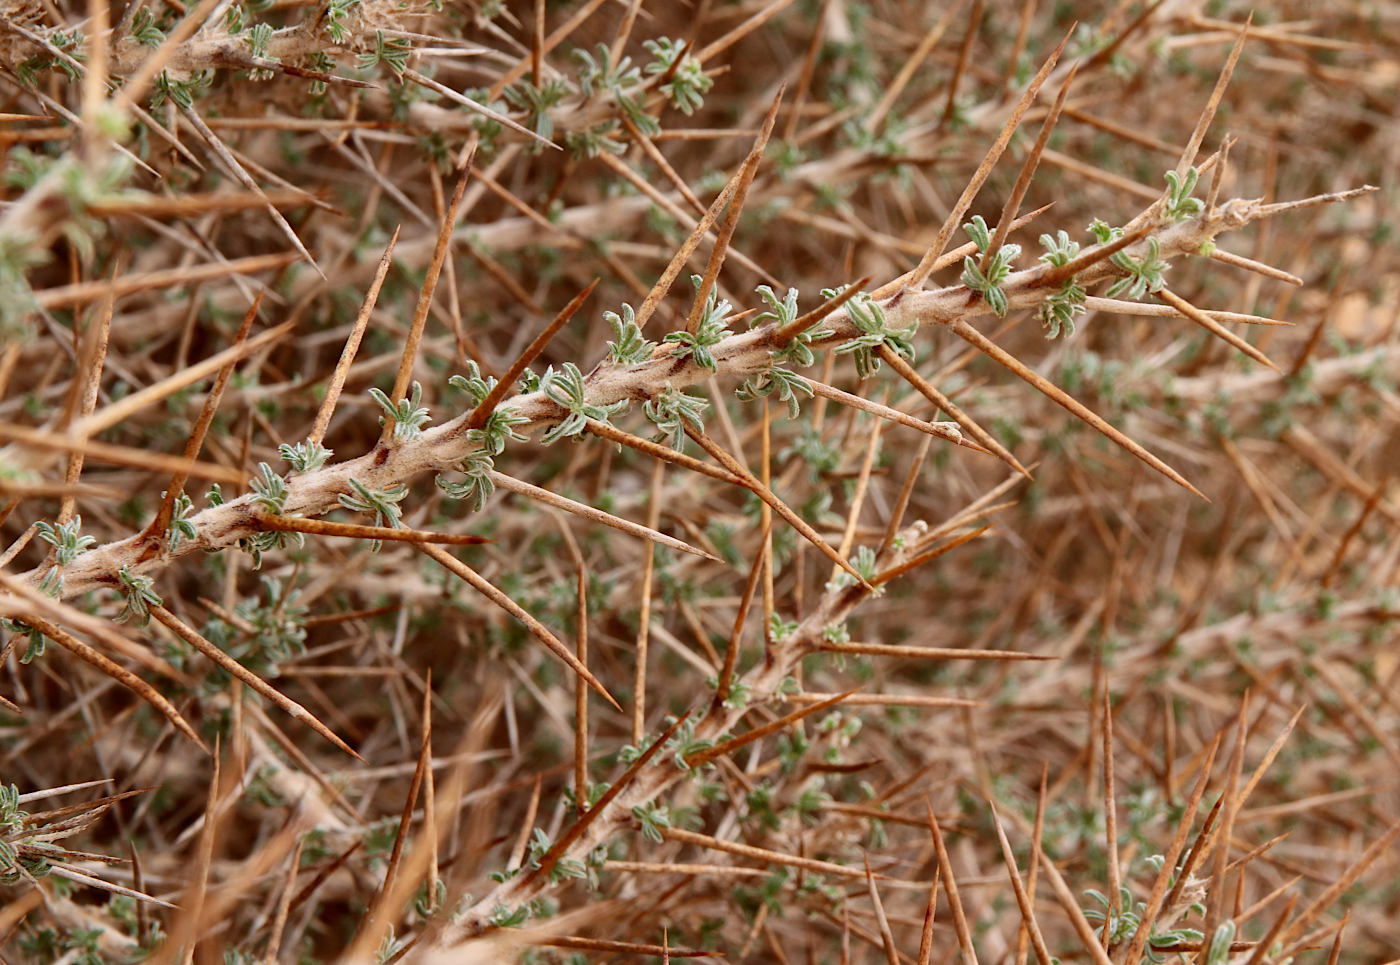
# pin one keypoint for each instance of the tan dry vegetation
(824, 675)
